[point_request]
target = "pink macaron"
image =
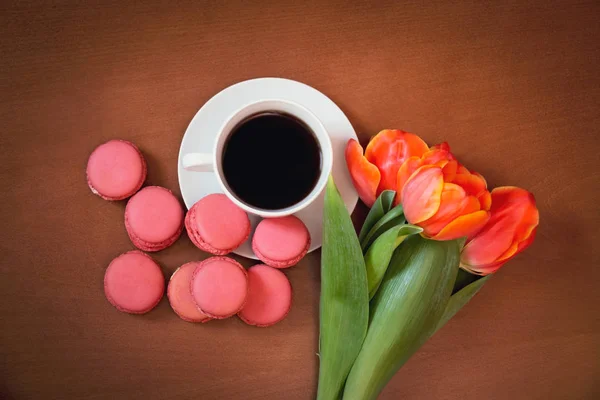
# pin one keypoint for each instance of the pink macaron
(153, 218)
(116, 170)
(269, 296)
(134, 283)
(219, 287)
(281, 242)
(216, 225)
(180, 296)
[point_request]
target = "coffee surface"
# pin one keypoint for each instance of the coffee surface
(271, 160)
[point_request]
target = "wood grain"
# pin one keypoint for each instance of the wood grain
(512, 85)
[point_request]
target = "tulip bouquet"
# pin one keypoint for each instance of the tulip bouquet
(433, 236)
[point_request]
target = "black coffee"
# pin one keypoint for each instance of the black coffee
(271, 160)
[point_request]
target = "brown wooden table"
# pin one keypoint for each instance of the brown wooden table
(512, 85)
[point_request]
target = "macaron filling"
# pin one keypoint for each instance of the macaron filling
(216, 225)
(281, 242)
(153, 218)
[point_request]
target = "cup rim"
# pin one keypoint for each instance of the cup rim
(326, 167)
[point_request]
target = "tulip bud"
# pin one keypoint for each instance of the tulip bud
(377, 169)
(510, 230)
(441, 196)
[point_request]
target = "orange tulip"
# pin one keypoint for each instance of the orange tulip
(441, 196)
(510, 230)
(377, 169)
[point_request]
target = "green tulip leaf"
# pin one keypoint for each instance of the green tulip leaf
(392, 218)
(404, 312)
(459, 299)
(344, 308)
(382, 205)
(380, 253)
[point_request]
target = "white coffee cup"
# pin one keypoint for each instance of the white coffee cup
(212, 162)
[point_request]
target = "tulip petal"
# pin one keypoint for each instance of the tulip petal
(405, 171)
(470, 205)
(504, 195)
(472, 183)
(518, 247)
(485, 199)
(527, 242)
(493, 267)
(454, 203)
(514, 212)
(462, 170)
(451, 204)
(511, 251)
(437, 157)
(389, 149)
(422, 192)
(365, 175)
(464, 225)
(443, 146)
(477, 174)
(520, 204)
(491, 242)
(483, 269)
(450, 170)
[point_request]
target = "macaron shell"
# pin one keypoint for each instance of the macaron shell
(218, 223)
(154, 216)
(134, 283)
(152, 247)
(179, 295)
(116, 170)
(269, 296)
(281, 242)
(219, 287)
(195, 238)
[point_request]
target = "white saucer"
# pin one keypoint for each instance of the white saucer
(200, 135)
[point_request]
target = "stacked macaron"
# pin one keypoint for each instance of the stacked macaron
(116, 170)
(198, 291)
(219, 287)
(134, 283)
(216, 225)
(281, 242)
(153, 218)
